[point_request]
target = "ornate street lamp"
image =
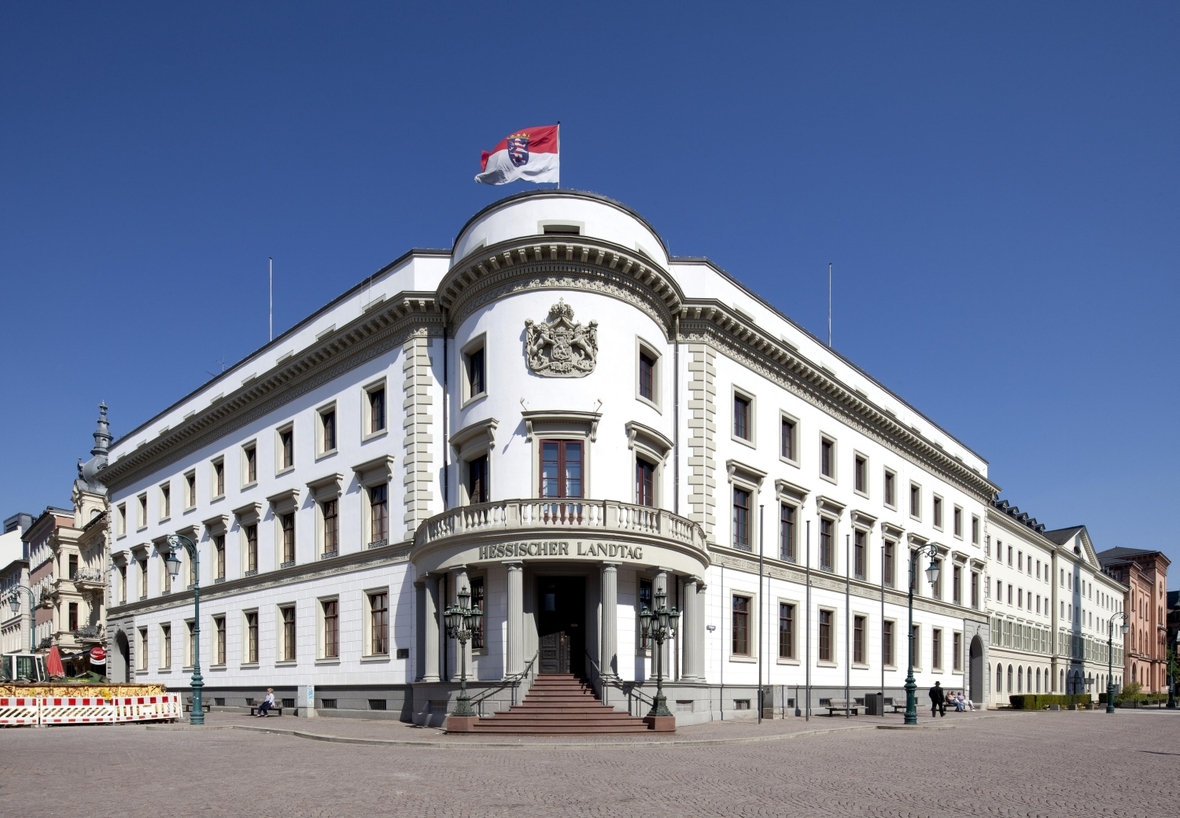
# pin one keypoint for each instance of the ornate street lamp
(462, 622)
(175, 541)
(930, 550)
(1126, 628)
(14, 605)
(659, 625)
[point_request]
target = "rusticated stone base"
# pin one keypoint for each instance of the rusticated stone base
(461, 724)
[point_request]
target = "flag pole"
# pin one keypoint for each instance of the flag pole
(559, 154)
(271, 289)
(829, 305)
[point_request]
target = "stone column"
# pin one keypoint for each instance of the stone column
(665, 668)
(608, 654)
(514, 653)
(430, 629)
(693, 631)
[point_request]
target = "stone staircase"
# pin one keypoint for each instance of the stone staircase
(560, 704)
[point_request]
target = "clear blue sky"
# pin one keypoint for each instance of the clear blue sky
(997, 185)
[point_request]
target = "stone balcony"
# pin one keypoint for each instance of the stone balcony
(89, 580)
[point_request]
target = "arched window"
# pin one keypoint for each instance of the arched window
(1019, 680)
(1061, 682)
(1038, 680)
(1009, 679)
(999, 680)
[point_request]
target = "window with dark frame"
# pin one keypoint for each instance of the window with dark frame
(219, 640)
(478, 600)
(827, 464)
(477, 479)
(251, 532)
(974, 589)
(331, 628)
(741, 519)
(975, 530)
(287, 524)
(937, 512)
(251, 455)
(287, 617)
(916, 635)
(826, 544)
(218, 556)
(561, 468)
(887, 643)
(376, 398)
(165, 501)
(825, 636)
(165, 647)
(143, 651)
(741, 625)
(143, 578)
(860, 474)
(287, 448)
(331, 513)
(859, 549)
(786, 532)
(251, 637)
(915, 500)
(958, 522)
(786, 630)
(787, 442)
(379, 623)
(73, 616)
(890, 488)
(190, 482)
(647, 376)
(328, 430)
(957, 650)
(741, 417)
(192, 643)
(378, 513)
(888, 570)
(474, 361)
(957, 585)
(858, 640)
(645, 483)
(936, 648)
(219, 477)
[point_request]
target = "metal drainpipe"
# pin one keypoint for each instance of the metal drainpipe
(446, 402)
(761, 607)
(676, 415)
(847, 615)
(807, 661)
(721, 693)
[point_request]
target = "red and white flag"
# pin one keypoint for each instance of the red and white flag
(530, 154)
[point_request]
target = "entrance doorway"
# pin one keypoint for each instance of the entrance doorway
(975, 671)
(561, 623)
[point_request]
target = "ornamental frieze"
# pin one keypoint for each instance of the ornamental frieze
(560, 347)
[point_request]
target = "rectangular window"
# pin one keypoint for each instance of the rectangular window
(251, 637)
(165, 646)
(327, 423)
(786, 532)
(165, 501)
(286, 448)
(1009, 594)
(786, 631)
(887, 653)
(741, 519)
(218, 557)
(330, 611)
(142, 510)
(287, 524)
(860, 474)
(647, 375)
(122, 518)
(916, 635)
(827, 546)
(741, 417)
(958, 522)
(788, 445)
(1009, 556)
(375, 409)
(122, 584)
(937, 509)
(561, 468)
(379, 623)
(936, 648)
(73, 616)
(974, 530)
(190, 646)
(190, 489)
(218, 478)
(741, 625)
(826, 653)
(890, 489)
(827, 457)
(474, 371)
(378, 514)
(251, 533)
(859, 554)
(287, 633)
(888, 570)
(143, 578)
(142, 664)
(915, 500)
(219, 640)
(936, 586)
(645, 483)
(330, 510)
(249, 464)
(478, 490)
(478, 600)
(858, 640)
(957, 585)
(957, 650)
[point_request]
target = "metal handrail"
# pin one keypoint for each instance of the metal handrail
(629, 689)
(514, 681)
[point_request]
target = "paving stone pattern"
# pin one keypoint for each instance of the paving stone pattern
(1006, 764)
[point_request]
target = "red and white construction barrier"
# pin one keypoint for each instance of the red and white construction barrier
(19, 710)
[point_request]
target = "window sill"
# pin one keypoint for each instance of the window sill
(861, 493)
(374, 435)
(326, 455)
(791, 662)
(827, 478)
(329, 661)
(859, 666)
(248, 666)
(250, 485)
(122, 536)
(287, 663)
(788, 461)
(749, 660)
(215, 499)
(284, 470)
(830, 664)
(649, 402)
(163, 519)
(163, 671)
(221, 666)
(742, 441)
(376, 658)
(473, 400)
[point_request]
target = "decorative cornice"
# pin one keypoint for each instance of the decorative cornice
(829, 505)
(744, 471)
(787, 490)
(248, 514)
(648, 437)
(537, 419)
(375, 471)
(326, 487)
(285, 501)
(475, 436)
(862, 519)
(378, 331)
(216, 526)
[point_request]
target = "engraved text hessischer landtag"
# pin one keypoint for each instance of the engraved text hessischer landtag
(560, 348)
(517, 550)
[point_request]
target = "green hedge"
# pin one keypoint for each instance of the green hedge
(1141, 699)
(1039, 701)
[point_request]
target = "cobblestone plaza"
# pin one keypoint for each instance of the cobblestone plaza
(995, 764)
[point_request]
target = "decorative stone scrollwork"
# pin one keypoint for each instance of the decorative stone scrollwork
(561, 348)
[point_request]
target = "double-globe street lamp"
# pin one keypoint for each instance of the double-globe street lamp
(929, 550)
(14, 605)
(175, 541)
(462, 622)
(659, 625)
(1126, 628)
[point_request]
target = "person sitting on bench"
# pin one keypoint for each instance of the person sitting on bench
(267, 703)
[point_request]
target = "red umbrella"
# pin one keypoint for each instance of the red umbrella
(53, 662)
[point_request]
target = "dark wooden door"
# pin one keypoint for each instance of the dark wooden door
(555, 653)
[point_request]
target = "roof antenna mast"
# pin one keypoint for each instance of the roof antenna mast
(829, 305)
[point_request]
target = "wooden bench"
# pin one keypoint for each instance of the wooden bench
(895, 706)
(843, 706)
(276, 709)
(188, 705)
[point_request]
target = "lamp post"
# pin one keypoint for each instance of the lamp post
(175, 541)
(929, 550)
(462, 621)
(1110, 657)
(658, 625)
(1172, 654)
(14, 605)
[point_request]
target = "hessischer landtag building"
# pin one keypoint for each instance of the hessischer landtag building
(567, 424)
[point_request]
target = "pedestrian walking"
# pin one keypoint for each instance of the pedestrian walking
(937, 700)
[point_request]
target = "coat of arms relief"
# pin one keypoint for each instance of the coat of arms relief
(561, 348)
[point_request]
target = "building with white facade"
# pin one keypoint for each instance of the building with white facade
(560, 417)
